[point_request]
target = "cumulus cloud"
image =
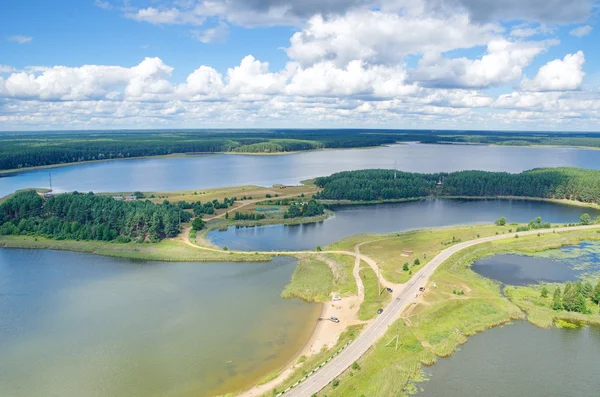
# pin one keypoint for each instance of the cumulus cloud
(20, 39)
(581, 31)
(88, 82)
(503, 63)
(558, 75)
(383, 38)
(171, 16)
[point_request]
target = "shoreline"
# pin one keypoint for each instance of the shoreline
(4, 173)
(338, 203)
(12, 171)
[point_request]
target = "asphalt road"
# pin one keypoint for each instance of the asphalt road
(391, 313)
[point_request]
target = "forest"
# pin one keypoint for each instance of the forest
(22, 150)
(30, 149)
(374, 185)
(80, 216)
(304, 210)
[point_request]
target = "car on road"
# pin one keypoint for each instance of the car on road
(389, 290)
(334, 319)
(422, 289)
(379, 311)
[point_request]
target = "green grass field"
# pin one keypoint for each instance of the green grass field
(166, 250)
(373, 300)
(312, 281)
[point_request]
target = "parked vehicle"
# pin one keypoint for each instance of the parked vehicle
(379, 311)
(389, 290)
(337, 298)
(334, 319)
(422, 289)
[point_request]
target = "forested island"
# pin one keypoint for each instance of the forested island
(77, 216)
(34, 149)
(376, 185)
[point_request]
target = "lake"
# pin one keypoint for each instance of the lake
(568, 263)
(385, 218)
(75, 324)
(519, 360)
(218, 170)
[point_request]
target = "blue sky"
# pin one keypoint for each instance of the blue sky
(472, 64)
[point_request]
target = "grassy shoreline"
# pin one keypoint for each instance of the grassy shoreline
(171, 250)
(337, 203)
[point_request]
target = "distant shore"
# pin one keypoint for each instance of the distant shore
(191, 154)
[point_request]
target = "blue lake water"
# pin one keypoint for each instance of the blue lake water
(75, 325)
(218, 170)
(385, 218)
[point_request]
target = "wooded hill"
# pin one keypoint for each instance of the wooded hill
(80, 216)
(372, 185)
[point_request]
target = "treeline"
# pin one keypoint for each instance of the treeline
(209, 207)
(21, 150)
(248, 217)
(574, 297)
(304, 209)
(370, 185)
(80, 216)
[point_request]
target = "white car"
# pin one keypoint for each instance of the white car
(337, 298)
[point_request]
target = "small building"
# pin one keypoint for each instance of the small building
(406, 253)
(118, 198)
(130, 198)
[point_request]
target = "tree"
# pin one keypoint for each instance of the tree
(405, 267)
(585, 219)
(596, 294)
(573, 299)
(544, 293)
(417, 262)
(556, 300)
(198, 223)
(500, 221)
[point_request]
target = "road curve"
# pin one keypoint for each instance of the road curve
(391, 313)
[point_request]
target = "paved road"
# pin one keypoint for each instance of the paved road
(391, 313)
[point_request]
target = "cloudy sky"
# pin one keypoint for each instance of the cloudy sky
(451, 64)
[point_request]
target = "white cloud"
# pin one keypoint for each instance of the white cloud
(502, 63)
(252, 77)
(7, 69)
(218, 34)
(383, 38)
(89, 82)
(20, 39)
(558, 75)
(581, 31)
(204, 83)
(355, 79)
(171, 16)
